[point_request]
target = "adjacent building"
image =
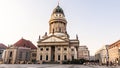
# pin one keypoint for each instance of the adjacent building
(102, 55)
(92, 58)
(23, 51)
(56, 46)
(83, 53)
(2, 48)
(114, 52)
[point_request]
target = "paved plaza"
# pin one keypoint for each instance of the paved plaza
(52, 66)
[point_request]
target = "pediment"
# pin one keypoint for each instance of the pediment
(53, 39)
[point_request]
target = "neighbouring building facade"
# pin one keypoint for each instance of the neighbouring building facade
(23, 51)
(56, 45)
(2, 48)
(102, 55)
(83, 53)
(114, 52)
(17, 55)
(92, 58)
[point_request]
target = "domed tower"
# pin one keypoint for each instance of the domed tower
(58, 23)
(57, 40)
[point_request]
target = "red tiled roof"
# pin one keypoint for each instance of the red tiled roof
(2, 46)
(25, 43)
(115, 44)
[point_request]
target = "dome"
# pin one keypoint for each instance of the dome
(58, 9)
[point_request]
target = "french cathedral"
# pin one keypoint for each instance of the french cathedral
(56, 45)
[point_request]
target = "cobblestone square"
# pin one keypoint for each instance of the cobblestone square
(52, 66)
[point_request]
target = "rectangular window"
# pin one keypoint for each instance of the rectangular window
(58, 57)
(27, 55)
(33, 54)
(65, 57)
(41, 49)
(72, 49)
(1, 51)
(58, 49)
(20, 54)
(65, 49)
(72, 57)
(11, 54)
(47, 49)
(40, 57)
(46, 57)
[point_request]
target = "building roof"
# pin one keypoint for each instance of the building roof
(2, 46)
(115, 44)
(25, 43)
(58, 9)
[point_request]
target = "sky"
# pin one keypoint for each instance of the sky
(96, 22)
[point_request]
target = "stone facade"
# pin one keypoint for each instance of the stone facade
(114, 52)
(9, 55)
(102, 55)
(83, 53)
(2, 48)
(33, 54)
(21, 52)
(56, 46)
(16, 55)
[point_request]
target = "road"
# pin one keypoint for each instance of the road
(52, 66)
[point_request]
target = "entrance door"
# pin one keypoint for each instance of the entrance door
(52, 53)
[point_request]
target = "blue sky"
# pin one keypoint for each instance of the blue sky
(97, 22)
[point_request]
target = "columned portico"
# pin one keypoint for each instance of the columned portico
(52, 53)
